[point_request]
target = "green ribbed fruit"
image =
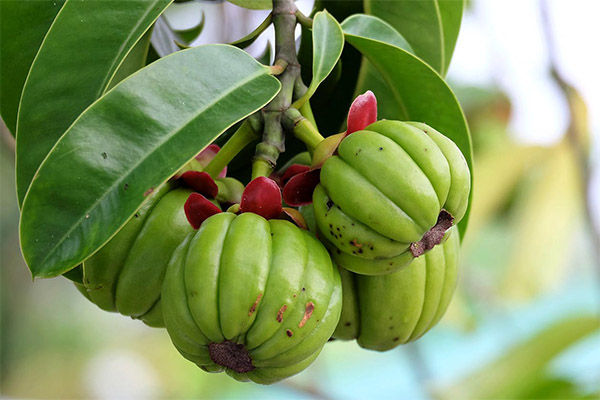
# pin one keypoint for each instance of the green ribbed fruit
(126, 274)
(384, 191)
(256, 298)
(384, 311)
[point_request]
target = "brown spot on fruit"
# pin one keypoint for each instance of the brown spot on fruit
(231, 355)
(289, 333)
(355, 243)
(280, 313)
(310, 307)
(253, 308)
(347, 324)
(396, 339)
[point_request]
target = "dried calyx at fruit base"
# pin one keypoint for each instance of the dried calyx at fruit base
(384, 311)
(126, 274)
(383, 192)
(253, 297)
(250, 294)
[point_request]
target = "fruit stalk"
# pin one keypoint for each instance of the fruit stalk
(240, 139)
(273, 143)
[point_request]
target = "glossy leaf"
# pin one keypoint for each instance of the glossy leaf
(419, 93)
(74, 66)
(129, 142)
(191, 34)
(430, 26)
(253, 4)
(135, 60)
(23, 25)
(328, 43)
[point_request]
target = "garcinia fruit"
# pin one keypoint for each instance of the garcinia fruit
(389, 195)
(382, 312)
(254, 297)
(126, 274)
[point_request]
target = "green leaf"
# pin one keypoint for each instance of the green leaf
(451, 13)
(328, 43)
(254, 4)
(430, 26)
(135, 60)
(129, 142)
(23, 25)
(411, 89)
(520, 366)
(374, 28)
(74, 66)
(191, 34)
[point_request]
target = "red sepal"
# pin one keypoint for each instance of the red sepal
(198, 208)
(201, 182)
(299, 189)
(293, 169)
(262, 196)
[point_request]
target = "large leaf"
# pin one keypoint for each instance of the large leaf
(135, 60)
(520, 366)
(430, 26)
(254, 4)
(419, 93)
(129, 142)
(23, 25)
(74, 66)
(328, 43)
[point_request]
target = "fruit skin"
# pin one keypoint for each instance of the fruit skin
(382, 312)
(126, 274)
(384, 190)
(249, 281)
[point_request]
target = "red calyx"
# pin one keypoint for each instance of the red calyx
(293, 169)
(363, 112)
(201, 182)
(198, 208)
(299, 188)
(262, 196)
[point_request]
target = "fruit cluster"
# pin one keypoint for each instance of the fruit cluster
(257, 290)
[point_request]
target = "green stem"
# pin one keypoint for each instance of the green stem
(303, 20)
(306, 110)
(252, 36)
(303, 129)
(261, 168)
(300, 90)
(273, 143)
(240, 139)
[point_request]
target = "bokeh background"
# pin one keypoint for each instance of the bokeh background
(524, 322)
